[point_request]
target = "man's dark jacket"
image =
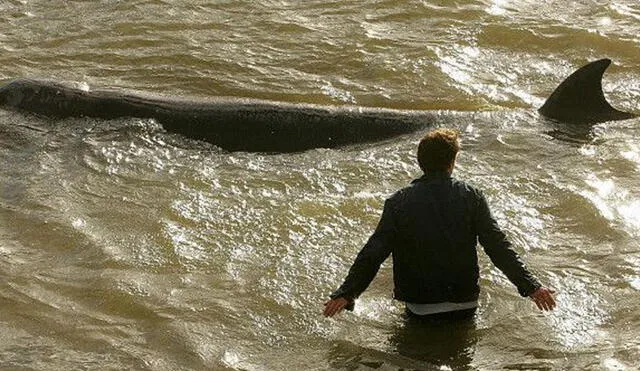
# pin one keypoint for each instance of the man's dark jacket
(432, 228)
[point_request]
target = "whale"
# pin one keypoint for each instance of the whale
(580, 100)
(233, 124)
(252, 125)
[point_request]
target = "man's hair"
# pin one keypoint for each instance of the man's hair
(437, 150)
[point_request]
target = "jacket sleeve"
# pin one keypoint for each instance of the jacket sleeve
(500, 251)
(368, 261)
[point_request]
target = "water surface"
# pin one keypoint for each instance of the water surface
(124, 247)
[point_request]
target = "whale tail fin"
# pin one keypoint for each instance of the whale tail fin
(579, 98)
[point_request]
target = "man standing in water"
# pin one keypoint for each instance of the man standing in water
(431, 228)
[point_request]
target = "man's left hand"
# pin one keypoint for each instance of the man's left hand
(334, 306)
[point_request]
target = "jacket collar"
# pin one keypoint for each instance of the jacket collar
(432, 175)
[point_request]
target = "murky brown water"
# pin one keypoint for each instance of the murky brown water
(123, 247)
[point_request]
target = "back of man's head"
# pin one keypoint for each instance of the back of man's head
(438, 149)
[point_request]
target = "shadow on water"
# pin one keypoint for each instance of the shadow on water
(441, 341)
(417, 344)
(572, 134)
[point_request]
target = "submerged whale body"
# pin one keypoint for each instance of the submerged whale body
(234, 124)
(237, 124)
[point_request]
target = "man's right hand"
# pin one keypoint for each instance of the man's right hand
(334, 306)
(543, 298)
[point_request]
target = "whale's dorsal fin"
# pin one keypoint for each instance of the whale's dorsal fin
(579, 98)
